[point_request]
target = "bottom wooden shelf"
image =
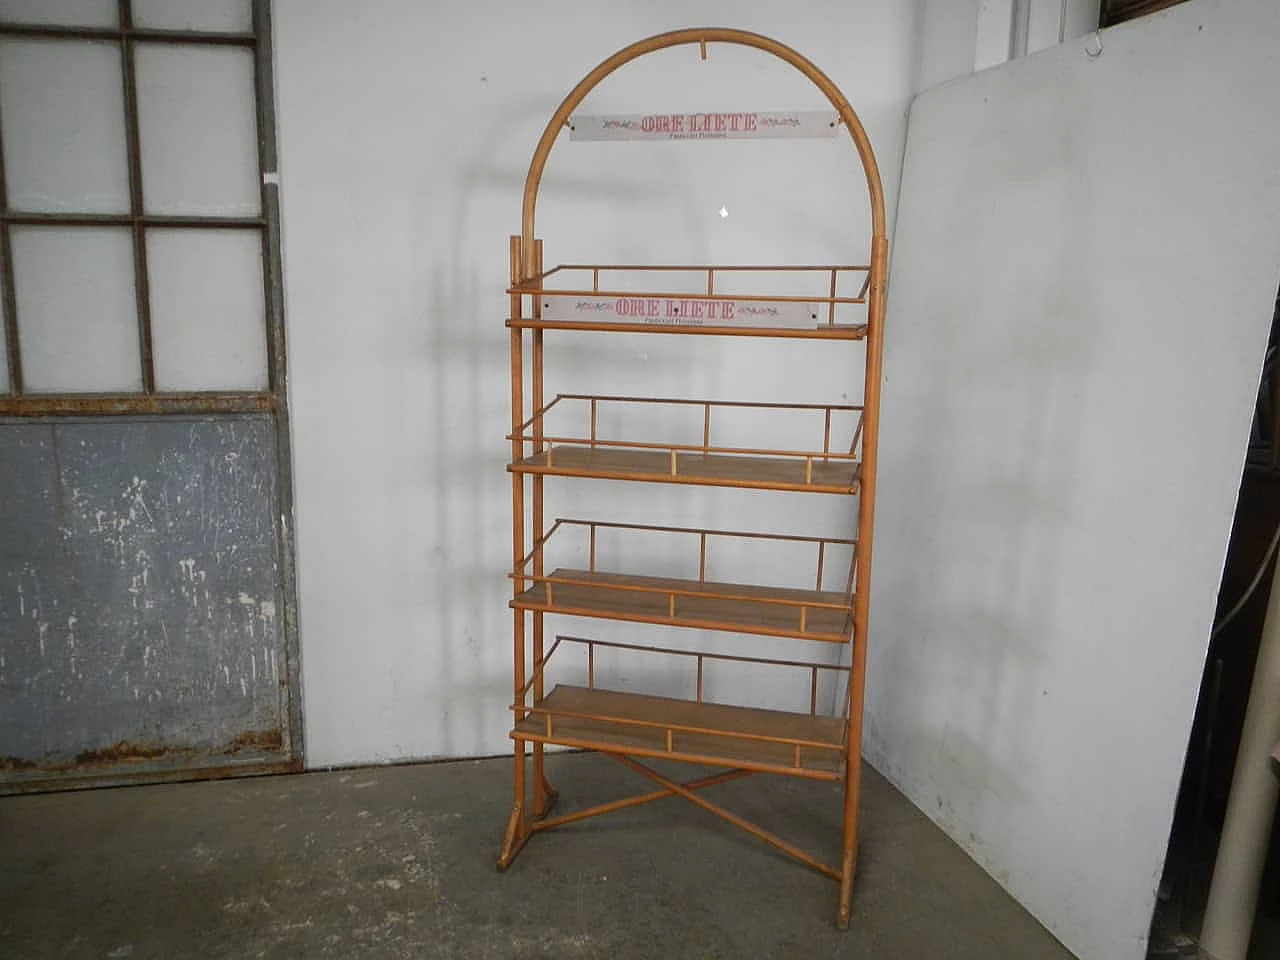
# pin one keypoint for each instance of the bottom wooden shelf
(770, 741)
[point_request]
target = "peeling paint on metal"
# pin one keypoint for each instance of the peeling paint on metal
(138, 590)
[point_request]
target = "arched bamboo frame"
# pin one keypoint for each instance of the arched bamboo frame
(701, 36)
(526, 265)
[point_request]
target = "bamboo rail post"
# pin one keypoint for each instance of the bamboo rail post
(700, 661)
(517, 826)
(831, 315)
(543, 793)
(862, 555)
(594, 415)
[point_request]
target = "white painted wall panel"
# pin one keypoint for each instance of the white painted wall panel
(1086, 260)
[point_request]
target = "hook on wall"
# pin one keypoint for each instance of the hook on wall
(1093, 54)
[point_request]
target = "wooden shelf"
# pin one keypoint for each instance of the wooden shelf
(563, 438)
(764, 473)
(747, 738)
(772, 611)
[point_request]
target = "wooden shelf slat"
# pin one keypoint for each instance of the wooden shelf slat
(765, 473)
(716, 607)
(710, 732)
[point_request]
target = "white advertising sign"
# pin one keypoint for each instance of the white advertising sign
(755, 125)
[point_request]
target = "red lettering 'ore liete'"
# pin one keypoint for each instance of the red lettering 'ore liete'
(678, 311)
(680, 123)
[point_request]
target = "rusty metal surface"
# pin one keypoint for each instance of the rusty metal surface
(191, 222)
(61, 32)
(133, 151)
(277, 361)
(139, 591)
(122, 776)
(126, 404)
(8, 294)
(202, 738)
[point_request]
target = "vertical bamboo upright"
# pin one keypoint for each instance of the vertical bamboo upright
(630, 727)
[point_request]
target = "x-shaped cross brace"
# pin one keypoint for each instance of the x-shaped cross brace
(688, 791)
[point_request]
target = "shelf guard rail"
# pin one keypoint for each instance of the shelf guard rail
(593, 440)
(536, 286)
(522, 573)
(522, 709)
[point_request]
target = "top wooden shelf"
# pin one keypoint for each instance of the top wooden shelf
(727, 300)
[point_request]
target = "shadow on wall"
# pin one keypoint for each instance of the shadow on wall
(458, 450)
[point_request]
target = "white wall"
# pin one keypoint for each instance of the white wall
(1086, 258)
(405, 132)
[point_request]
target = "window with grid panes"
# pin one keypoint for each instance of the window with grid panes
(132, 231)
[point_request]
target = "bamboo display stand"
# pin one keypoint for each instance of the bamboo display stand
(627, 726)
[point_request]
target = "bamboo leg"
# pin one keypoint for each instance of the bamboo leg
(852, 782)
(517, 829)
(517, 826)
(849, 847)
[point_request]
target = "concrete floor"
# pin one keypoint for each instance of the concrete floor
(394, 862)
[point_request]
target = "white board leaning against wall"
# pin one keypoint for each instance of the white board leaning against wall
(1086, 257)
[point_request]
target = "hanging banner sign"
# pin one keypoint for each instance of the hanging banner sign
(679, 312)
(760, 125)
